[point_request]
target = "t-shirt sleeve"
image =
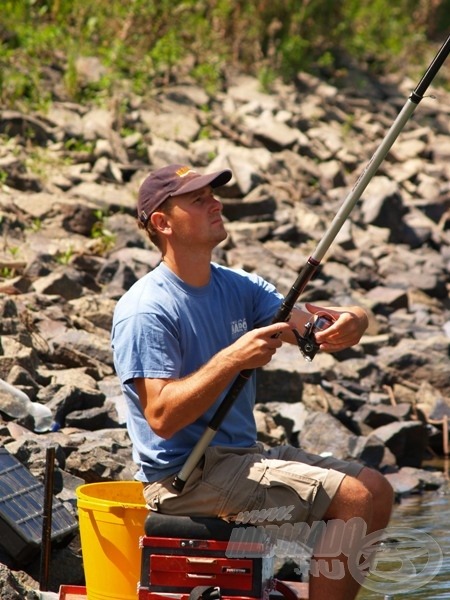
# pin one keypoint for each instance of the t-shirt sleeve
(145, 345)
(266, 300)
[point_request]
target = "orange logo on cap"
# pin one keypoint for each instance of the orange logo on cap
(184, 171)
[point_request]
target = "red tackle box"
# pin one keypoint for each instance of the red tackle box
(181, 553)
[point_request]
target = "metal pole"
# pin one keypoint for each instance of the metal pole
(314, 260)
(47, 519)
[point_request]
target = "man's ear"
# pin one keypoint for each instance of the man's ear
(159, 221)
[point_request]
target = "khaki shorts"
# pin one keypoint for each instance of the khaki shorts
(232, 482)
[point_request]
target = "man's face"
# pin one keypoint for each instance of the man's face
(196, 219)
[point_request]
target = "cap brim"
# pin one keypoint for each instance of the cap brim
(215, 180)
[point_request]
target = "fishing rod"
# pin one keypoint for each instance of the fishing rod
(306, 342)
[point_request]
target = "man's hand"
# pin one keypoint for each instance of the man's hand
(349, 325)
(257, 347)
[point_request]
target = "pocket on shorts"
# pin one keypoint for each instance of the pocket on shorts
(235, 474)
(197, 498)
(152, 493)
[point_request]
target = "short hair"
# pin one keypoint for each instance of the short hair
(153, 235)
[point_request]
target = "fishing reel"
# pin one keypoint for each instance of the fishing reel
(307, 342)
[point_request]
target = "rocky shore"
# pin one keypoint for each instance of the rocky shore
(68, 183)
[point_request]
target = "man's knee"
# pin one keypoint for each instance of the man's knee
(352, 499)
(382, 494)
(377, 484)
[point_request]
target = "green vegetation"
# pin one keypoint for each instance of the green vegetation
(7, 273)
(145, 43)
(105, 238)
(64, 257)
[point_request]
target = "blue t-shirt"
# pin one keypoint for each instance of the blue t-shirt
(166, 329)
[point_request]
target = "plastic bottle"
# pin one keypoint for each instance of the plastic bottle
(16, 404)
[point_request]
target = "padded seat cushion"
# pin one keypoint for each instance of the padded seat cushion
(201, 528)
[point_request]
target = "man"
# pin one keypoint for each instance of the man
(180, 337)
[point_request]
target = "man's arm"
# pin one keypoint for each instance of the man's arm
(171, 404)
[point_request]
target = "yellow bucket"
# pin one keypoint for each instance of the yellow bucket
(111, 518)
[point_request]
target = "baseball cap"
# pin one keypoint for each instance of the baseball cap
(174, 180)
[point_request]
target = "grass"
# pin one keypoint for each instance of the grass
(143, 44)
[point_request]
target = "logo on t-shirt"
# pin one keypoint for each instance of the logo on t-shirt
(238, 327)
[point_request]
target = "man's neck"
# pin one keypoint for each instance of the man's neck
(193, 271)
